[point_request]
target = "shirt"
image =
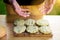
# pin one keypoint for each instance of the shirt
(26, 2)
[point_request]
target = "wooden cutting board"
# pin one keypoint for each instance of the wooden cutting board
(10, 27)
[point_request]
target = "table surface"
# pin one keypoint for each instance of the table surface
(54, 25)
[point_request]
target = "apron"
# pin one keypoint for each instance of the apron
(35, 13)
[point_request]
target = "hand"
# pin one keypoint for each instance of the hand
(19, 10)
(47, 7)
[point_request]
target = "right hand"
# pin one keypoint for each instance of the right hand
(19, 10)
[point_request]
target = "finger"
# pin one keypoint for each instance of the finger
(25, 10)
(24, 14)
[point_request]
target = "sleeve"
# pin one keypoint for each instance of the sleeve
(6, 1)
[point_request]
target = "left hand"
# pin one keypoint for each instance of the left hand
(47, 7)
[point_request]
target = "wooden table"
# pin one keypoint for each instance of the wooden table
(54, 24)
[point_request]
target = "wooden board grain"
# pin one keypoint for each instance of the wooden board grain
(32, 35)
